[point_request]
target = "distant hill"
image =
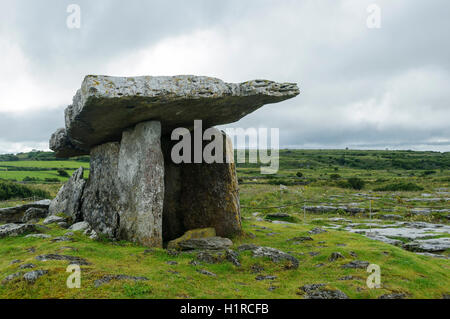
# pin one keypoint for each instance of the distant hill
(38, 156)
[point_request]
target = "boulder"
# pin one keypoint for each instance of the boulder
(210, 194)
(100, 202)
(33, 214)
(276, 256)
(32, 276)
(81, 226)
(320, 291)
(15, 214)
(191, 234)
(52, 219)
(428, 245)
(68, 199)
(13, 230)
(105, 106)
(141, 178)
(211, 243)
(125, 192)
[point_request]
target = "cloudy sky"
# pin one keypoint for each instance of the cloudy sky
(369, 88)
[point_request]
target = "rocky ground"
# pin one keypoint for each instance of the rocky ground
(324, 257)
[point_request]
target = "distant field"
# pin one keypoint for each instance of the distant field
(40, 170)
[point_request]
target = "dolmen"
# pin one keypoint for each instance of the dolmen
(136, 191)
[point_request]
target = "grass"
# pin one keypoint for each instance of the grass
(402, 271)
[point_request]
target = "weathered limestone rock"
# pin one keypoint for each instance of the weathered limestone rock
(68, 199)
(135, 192)
(125, 192)
(211, 243)
(34, 214)
(202, 196)
(192, 234)
(105, 106)
(13, 230)
(15, 214)
(141, 177)
(100, 203)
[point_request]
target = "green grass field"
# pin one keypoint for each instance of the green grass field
(311, 178)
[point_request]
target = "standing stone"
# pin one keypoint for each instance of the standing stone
(101, 196)
(141, 177)
(210, 194)
(68, 199)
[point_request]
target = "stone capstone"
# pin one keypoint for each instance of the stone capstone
(105, 106)
(68, 199)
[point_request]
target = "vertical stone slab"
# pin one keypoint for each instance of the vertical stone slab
(101, 197)
(141, 178)
(210, 194)
(68, 199)
(173, 226)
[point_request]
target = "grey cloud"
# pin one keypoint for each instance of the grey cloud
(323, 45)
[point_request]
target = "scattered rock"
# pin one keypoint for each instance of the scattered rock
(27, 266)
(211, 243)
(317, 230)
(61, 239)
(393, 296)
(247, 247)
(15, 261)
(276, 256)
(314, 253)
(335, 256)
(192, 234)
(209, 257)
(32, 276)
(71, 259)
(428, 245)
(259, 278)
(16, 214)
(34, 214)
(206, 272)
(64, 225)
(11, 277)
(318, 291)
(68, 199)
(256, 268)
(106, 279)
(232, 257)
(38, 236)
(53, 219)
(14, 230)
(356, 264)
(80, 226)
(172, 263)
(350, 277)
(298, 240)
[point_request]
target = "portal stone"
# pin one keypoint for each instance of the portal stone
(141, 178)
(101, 196)
(68, 199)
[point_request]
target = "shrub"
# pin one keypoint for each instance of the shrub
(356, 183)
(299, 174)
(406, 187)
(335, 176)
(63, 173)
(10, 190)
